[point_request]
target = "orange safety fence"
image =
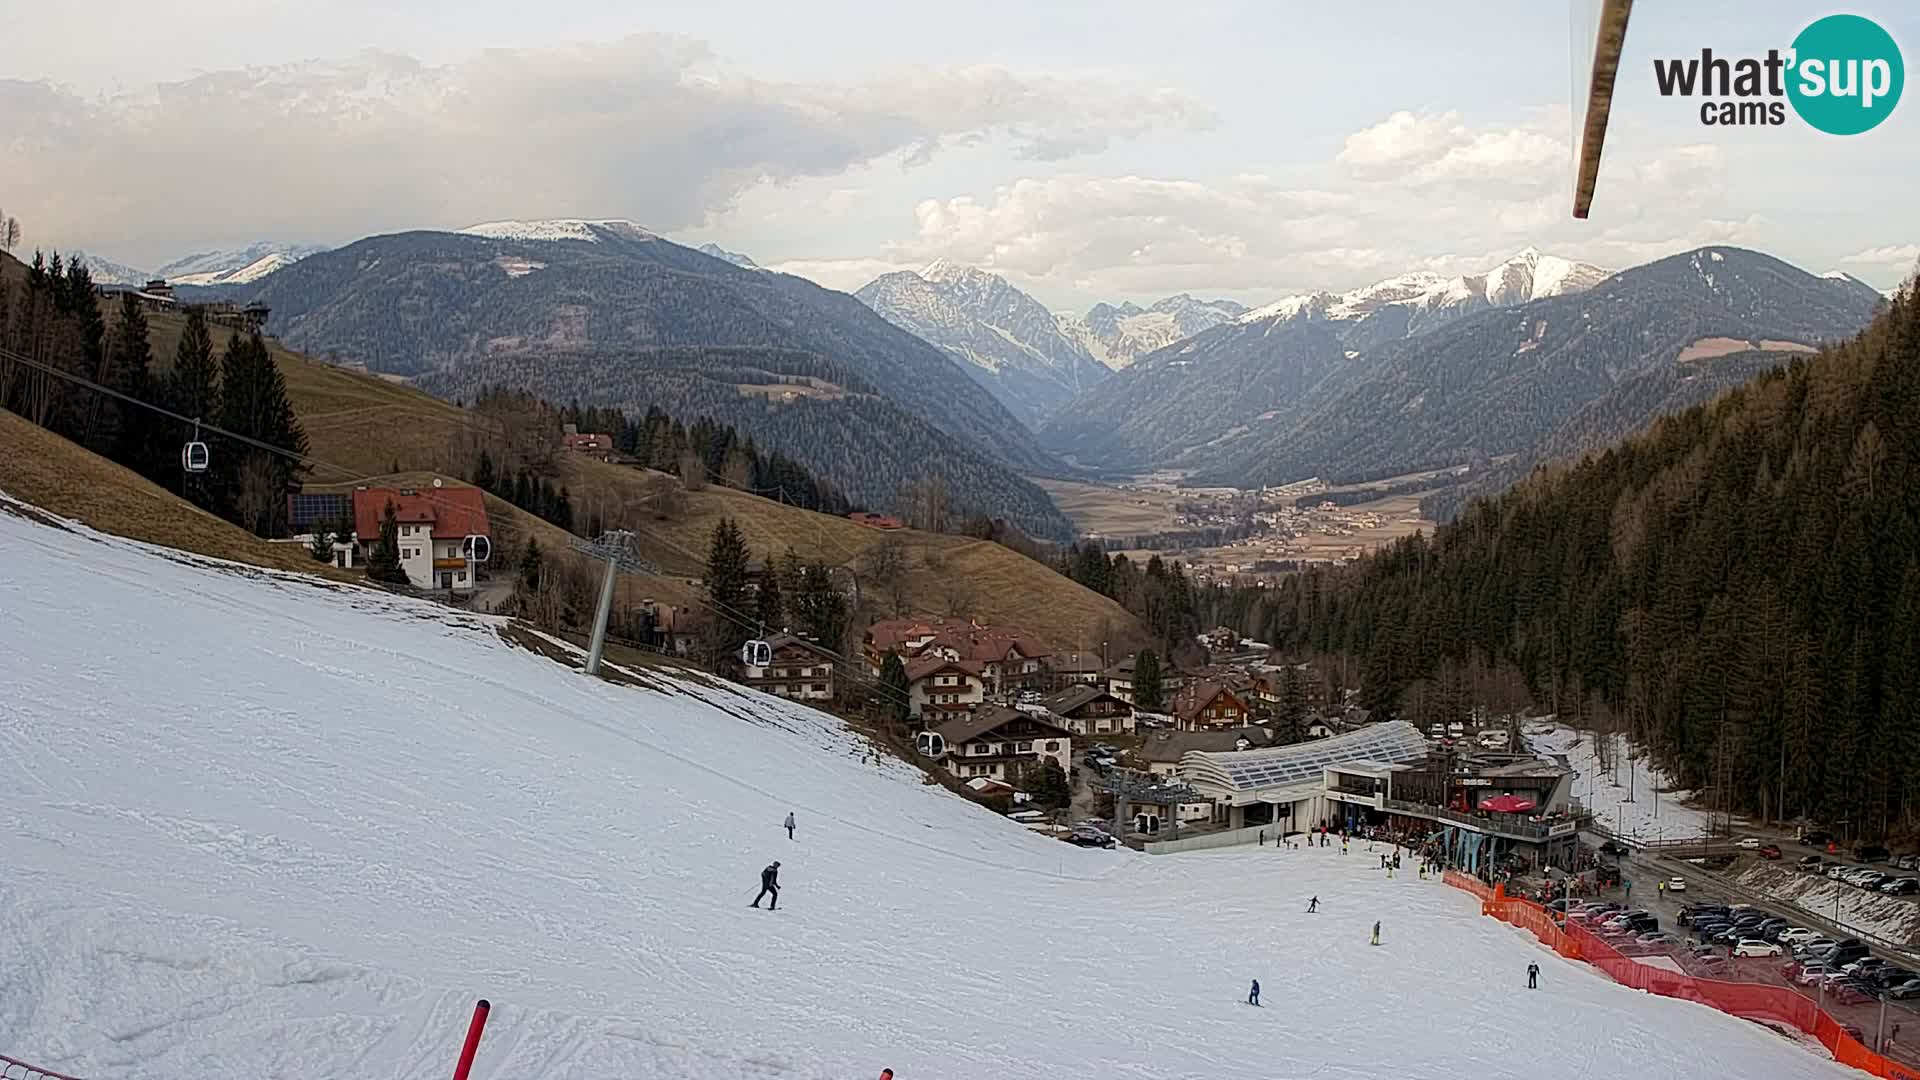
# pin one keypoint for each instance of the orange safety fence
(1752, 1001)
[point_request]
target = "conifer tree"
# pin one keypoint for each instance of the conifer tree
(1149, 691)
(383, 564)
(769, 607)
(726, 587)
(895, 692)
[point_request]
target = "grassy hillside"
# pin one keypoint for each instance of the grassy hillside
(65, 478)
(362, 425)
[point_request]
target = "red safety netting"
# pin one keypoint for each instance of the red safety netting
(1753, 1001)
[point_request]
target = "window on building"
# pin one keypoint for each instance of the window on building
(1024, 748)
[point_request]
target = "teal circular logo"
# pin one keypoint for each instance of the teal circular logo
(1846, 74)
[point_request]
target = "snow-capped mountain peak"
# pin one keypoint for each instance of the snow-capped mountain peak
(1426, 299)
(1119, 334)
(1001, 336)
(590, 231)
(733, 257)
(235, 266)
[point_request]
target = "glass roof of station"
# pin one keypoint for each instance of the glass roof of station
(1394, 742)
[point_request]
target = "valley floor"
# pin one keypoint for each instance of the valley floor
(258, 826)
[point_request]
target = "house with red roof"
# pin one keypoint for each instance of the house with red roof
(434, 524)
(937, 686)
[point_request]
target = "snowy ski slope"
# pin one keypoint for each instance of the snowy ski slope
(257, 827)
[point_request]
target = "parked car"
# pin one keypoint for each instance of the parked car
(1614, 848)
(1562, 905)
(1770, 851)
(1794, 935)
(1815, 949)
(1678, 884)
(1905, 991)
(1809, 862)
(1905, 886)
(1870, 853)
(1658, 939)
(1756, 947)
(1748, 843)
(1816, 837)
(1849, 994)
(1811, 973)
(1710, 962)
(1888, 976)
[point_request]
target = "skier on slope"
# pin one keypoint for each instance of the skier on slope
(1253, 995)
(789, 824)
(1533, 976)
(1313, 905)
(1376, 933)
(769, 883)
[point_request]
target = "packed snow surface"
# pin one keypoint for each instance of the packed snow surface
(256, 826)
(1605, 791)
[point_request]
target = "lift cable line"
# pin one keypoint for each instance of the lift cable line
(638, 563)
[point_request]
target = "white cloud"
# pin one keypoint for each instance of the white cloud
(1455, 200)
(847, 275)
(1901, 257)
(1401, 140)
(647, 127)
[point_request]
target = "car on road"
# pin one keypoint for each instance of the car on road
(1678, 884)
(1082, 836)
(1770, 851)
(1905, 991)
(1809, 862)
(1794, 935)
(1808, 974)
(1696, 913)
(1904, 886)
(1891, 975)
(1870, 853)
(1748, 843)
(1816, 837)
(1756, 947)
(1613, 847)
(1903, 862)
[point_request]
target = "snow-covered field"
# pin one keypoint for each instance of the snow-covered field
(254, 827)
(1647, 817)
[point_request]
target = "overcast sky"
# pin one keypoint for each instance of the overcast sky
(1087, 151)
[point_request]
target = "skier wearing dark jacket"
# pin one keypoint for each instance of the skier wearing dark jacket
(769, 884)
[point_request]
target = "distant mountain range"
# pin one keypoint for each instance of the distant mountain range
(611, 313)
(1000, 336)
(733, 257)
(1117, 336)
(232, 266)
(1495, 371)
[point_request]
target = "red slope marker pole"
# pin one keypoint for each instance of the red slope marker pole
(474, 1029)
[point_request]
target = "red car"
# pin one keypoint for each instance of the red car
(1770, 851)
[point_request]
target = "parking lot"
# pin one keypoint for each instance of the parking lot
(1870, 1017)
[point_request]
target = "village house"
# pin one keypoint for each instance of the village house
(1007, 659)
(1207, 704)
(1090, 710)
(310, 512)
(1079, 669)
(593, 445)
(433, 528)
(874, 521)
(799, 670)
(997, 743)
(937, 685)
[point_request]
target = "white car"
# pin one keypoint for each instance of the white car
(1756, 947)
(1794, 935)
(1749, 843)
(1678, 884)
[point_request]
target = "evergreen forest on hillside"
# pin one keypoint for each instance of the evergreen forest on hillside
(1739, 588)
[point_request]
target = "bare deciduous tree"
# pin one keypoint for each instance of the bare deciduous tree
(886, 568)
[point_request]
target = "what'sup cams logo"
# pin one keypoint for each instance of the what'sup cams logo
(1842, 75)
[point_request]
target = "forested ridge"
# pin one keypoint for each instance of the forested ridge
(1739, 588)
(864, 445)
